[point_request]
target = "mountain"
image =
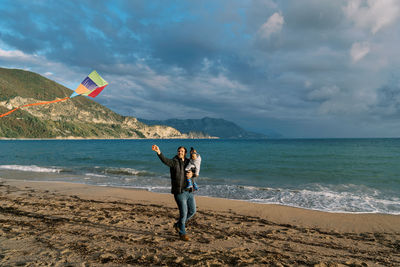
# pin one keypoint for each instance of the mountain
(208, 127)
(79, 117)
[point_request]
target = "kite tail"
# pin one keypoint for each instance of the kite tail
(34, 104)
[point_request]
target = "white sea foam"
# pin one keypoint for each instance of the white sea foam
(153, 188)
(30, 168)
(95, 175)
(125, 171)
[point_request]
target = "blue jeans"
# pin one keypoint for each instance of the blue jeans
(187, 208)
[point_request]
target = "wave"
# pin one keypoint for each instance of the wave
(163, 189)
(95, 175)
(159, 189)
(127, 171)
(31, 168)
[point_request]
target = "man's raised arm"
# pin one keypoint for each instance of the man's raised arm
(166, 161)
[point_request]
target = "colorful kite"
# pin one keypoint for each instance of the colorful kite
(92, 85)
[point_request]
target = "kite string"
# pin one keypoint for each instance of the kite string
(34, 104)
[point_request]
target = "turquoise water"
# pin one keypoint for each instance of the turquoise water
(336, 175)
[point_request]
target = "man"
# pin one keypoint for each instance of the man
(183, 198)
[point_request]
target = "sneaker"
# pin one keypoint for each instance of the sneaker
(184, 237)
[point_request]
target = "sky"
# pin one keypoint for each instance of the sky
(301, 68)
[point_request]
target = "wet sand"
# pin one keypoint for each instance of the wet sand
(64, 224)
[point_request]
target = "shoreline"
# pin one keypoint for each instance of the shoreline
(68, 224)
(205, 138)
(211, 197)
(264, 210)
(102, 138)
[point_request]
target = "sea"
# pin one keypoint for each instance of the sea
(332, 175)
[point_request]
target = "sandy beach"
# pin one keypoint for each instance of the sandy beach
(65, 224)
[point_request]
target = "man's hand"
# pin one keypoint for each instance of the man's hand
(156, 149)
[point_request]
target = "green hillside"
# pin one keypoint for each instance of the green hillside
(15, 82)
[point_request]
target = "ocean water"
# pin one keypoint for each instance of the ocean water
(334, 175)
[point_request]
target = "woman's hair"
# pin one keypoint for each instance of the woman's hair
(183, 148)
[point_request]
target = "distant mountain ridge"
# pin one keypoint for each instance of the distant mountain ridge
(208, 127)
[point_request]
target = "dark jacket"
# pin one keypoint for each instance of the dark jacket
(177, 171)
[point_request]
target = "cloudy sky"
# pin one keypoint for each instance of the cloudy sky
(303, 68)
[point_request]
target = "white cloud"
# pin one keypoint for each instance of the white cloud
(272, 25)
(359, 50)
(373, 14)
(40, 64)
(336, 101)
(15, 55)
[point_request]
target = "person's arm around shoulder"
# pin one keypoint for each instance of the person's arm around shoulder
(166, 161)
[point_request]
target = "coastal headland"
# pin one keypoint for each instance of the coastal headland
(66, 224)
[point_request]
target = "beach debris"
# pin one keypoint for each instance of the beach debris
(91, 86)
